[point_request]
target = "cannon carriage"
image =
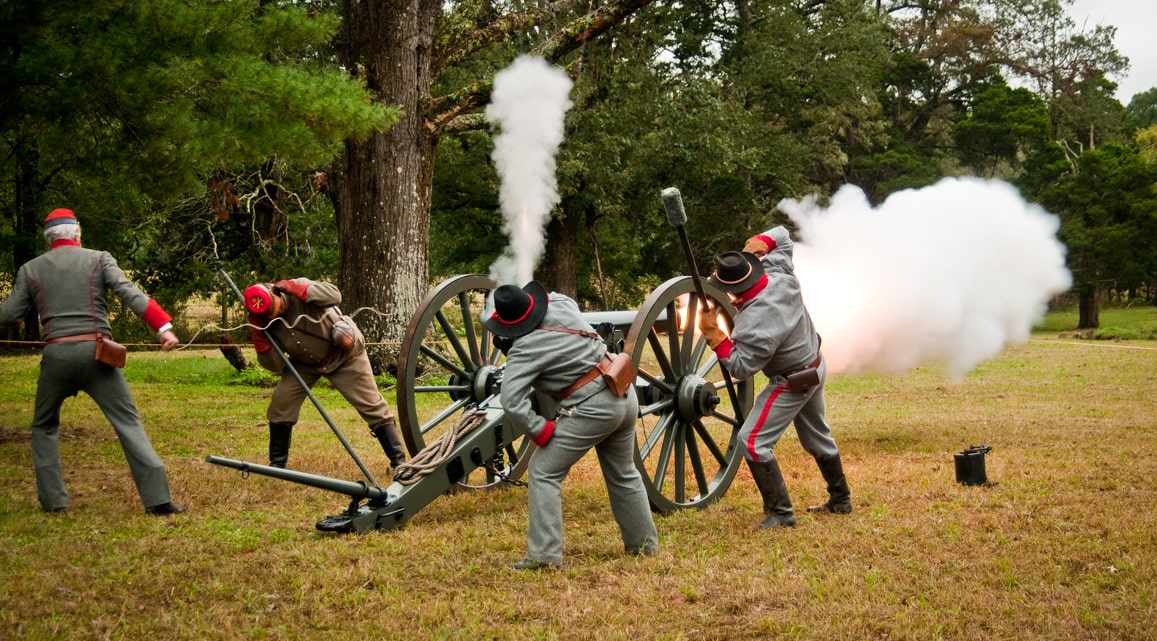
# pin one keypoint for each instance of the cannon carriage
(689, 411)
(449, 378)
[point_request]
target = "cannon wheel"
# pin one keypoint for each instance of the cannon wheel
(446, 363)
(689, 415)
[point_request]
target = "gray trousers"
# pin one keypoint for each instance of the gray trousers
(775, 408)
(353, 378)
(606, 424)
(66, 369)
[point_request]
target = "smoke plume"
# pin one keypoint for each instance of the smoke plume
(944, 275)
(528, 104)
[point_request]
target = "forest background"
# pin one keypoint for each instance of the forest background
(346, 140)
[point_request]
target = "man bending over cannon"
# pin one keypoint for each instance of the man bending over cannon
(550, 348)
(774, 334)
(302, 316)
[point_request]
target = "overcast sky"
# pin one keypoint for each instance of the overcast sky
(1136, 23)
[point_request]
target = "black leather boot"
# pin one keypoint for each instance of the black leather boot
(839, 496)
(391, 439)
(776, 503)
(280, 435)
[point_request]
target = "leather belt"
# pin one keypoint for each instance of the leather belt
(814, 364)
(76, 337)
(583, 380)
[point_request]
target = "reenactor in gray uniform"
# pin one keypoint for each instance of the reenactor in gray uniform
(774, 334)
(303, 317)
(551, 349)
(67, 287)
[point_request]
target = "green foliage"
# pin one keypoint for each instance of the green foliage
(1142, 110)
(171, 90)
(124, 109)
(1133, 322)
(255, 376)
(280, 227)
(1002, 127)
(465, 220)
(187, 135)
(1108, 209)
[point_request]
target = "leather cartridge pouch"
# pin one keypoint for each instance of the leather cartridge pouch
(802, 380)
(110, 352)
(618, 373)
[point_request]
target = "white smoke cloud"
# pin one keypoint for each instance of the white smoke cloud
(529, 102)
(945, 275)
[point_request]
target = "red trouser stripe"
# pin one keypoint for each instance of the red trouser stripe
(762, 419)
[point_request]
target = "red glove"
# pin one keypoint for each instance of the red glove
(544, 435)
(292, 287)
(260, 342)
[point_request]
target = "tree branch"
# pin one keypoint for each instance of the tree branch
(466, 122)
(444, 109)
(588, 28)
(463, 47)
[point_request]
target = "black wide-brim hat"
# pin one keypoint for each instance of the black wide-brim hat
(736, 272)
(517, 310)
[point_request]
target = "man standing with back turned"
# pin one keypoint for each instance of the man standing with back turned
(68, 285)
(551, 349)
(774, 334)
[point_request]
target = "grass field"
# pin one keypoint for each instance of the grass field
(1063, 545)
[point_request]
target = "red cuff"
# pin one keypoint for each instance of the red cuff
(723, 350)
(260, 341)
(544, 435)
(293, 287)
(155, 317)
(768, 240)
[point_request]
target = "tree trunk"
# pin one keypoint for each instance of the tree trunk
(270, 221)
(383, 184)
(29, 193)
(559, 268)
(232, 352)
(1089, 309)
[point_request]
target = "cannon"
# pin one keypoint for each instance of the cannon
(449, 378)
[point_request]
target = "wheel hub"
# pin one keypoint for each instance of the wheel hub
(696, 397)
(483, 384)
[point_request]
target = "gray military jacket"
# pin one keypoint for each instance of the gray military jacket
(773, 331)
(549, 361)
(68, 284)
(305, 330)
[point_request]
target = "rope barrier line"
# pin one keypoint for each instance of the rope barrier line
(437, 452)
(207, 346)
(213, 326)
(1091, 344)
(188, 345)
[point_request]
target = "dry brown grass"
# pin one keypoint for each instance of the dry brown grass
(1062, 547)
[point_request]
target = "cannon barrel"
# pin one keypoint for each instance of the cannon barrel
(687, 448)
(391, 507)
(354, 489)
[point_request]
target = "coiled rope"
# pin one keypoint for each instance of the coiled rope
(437, 452)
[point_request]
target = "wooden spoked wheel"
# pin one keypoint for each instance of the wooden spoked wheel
(690, 411)
(447, 363)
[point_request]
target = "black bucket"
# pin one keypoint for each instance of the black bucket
(970, 465)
